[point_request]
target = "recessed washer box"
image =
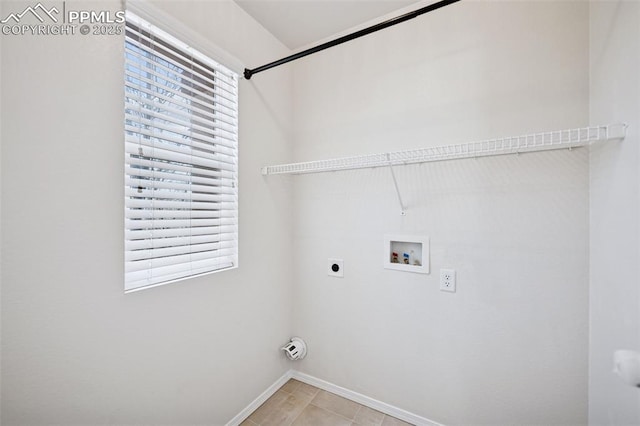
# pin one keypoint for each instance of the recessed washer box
(409, 253)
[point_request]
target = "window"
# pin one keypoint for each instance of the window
(181, 151)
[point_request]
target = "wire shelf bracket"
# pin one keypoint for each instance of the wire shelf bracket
(395, 184)
(535, 142)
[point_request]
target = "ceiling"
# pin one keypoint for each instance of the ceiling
(298, 23)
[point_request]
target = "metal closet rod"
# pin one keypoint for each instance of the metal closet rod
(248, 73)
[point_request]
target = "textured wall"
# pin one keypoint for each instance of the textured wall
(614, 209)
(510, 347)
(75, 349)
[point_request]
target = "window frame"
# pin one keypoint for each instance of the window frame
(207, 155)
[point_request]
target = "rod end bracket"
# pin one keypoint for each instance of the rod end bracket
(248, 73)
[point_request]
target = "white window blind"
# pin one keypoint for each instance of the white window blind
(181, 144)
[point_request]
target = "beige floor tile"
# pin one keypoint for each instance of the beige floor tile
(290, 386)
(368, 417)
(392, 421)
(284, 413)
(269, 405)
(306, 390)
(337, 404)
(297, 403)
(316, 416)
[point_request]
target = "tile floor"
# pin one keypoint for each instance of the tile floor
(300, 404)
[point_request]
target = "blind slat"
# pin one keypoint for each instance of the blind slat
(179, 177)
(135, 133)
(158, 40)
(142, 279)
(164, 252)
(185, 257)
(194, 224)
(199, 191)
(157, 153)
(225, 210)
(183, 146)
(151, 198)
(186, 111)
(191, 77)
(174, 122)
(163, 234)
(135, 162)
(159, 122)
(136, 77)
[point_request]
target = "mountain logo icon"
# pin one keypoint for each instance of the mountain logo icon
(39, 11)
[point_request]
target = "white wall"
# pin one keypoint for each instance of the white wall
(510, 347)
(75, 349)
(0, 225)
(614, 209)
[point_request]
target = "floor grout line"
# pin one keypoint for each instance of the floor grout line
(333, 412)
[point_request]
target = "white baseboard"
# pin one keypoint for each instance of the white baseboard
(383, 407)
(246, 412)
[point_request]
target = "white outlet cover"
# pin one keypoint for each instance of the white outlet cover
(332, 265)
(448, 280)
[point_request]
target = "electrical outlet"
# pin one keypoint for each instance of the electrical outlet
(448, 280)
(336, 268)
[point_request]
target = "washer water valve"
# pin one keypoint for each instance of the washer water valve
(296, 349)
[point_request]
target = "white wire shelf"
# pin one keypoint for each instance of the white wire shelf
(546, 141)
